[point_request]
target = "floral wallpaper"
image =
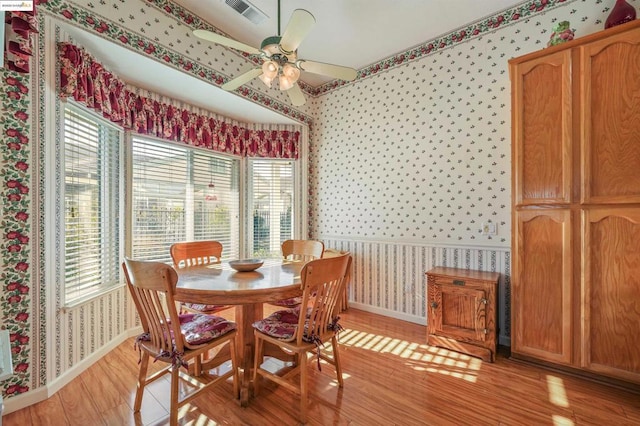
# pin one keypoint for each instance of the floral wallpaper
(420, 151)
(406, 160)
(15, 278)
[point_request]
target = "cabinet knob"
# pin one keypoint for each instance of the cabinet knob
(485, 301)
(434, 305)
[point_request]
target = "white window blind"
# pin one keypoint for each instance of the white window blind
(271, 206)
(182, 194)
(92, 204)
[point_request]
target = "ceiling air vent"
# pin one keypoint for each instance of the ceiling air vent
(247, 10)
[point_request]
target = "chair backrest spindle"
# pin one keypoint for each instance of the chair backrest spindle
(152, 286)
(304, 250)
(323, 284)
(195, 253)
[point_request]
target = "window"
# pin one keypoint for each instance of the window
(92, 205)
(182, 194)
(271, 205)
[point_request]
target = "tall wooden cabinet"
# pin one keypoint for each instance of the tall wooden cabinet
(575, 297)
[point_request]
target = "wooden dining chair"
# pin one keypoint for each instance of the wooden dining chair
(189, 254)
(305, 329)
(175, 339)
(299, 250)
(344, 302)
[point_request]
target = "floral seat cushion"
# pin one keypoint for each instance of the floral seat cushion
(196, 329)
(280, 324)
(204, 308)
(201, 328)
(283, 324)
(288, 303)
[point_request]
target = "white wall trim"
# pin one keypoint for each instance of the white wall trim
(358, 239)
(46, 392)
(389, 313)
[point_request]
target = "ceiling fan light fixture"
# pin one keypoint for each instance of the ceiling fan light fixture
(266, 80)
(270, 69)
(291, 71)
(285, 82)
(279, 56)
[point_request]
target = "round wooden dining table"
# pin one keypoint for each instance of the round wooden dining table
(219, 284)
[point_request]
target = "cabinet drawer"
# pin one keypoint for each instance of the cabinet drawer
(458, 282)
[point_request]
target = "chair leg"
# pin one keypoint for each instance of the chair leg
(234, 367)
(142, 379)
(197, 365)
(304, 389)
(257, 361)
(336, 360)
(173, 412)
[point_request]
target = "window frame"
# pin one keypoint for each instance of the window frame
(192, 157)
(296, 211)
(60, 206)
(55, 206)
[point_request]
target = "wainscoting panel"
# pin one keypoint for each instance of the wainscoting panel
(389, 278)
(89, 327)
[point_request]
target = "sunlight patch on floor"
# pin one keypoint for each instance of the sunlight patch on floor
(561, 421)
(423, 357)
(557, 392)
(558, 397)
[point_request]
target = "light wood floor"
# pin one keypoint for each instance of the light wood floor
(391, 378)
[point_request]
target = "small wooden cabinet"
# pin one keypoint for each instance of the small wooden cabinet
(462, 311)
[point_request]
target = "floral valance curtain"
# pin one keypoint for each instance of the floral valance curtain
(19, 25)
(88, 82)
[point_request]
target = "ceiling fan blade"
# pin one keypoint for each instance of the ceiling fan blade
(335, 71)
(224, 41)
(232, 85)
(297, 29)
(296, 96)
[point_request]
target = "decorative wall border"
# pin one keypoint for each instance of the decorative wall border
(468, 32)
(108, 29)
(39, 156)
(105, 28)
(16, 219)
(473, 30)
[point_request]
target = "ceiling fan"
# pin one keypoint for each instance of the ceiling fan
(280, 57)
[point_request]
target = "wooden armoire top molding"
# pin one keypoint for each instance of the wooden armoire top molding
(576, 42)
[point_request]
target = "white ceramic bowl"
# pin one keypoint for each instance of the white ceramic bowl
(246, 265)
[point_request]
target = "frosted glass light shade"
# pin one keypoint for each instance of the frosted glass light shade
(291, 71)
(285, 82)
(270, 69)
(266, 80)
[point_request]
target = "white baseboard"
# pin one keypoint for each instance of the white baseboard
(18, 402)
(37, 395)
(388, 313)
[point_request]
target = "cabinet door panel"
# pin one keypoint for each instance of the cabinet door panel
(462, 313)
(611, 292)
(542, 130)
(611, 152)
(542, 285)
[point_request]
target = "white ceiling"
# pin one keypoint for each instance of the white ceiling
(354, 33)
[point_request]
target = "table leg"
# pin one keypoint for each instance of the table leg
(246, 315)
